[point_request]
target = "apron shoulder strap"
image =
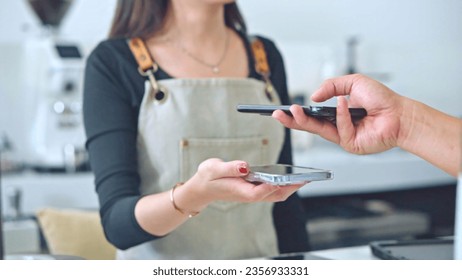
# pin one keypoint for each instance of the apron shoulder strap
(260, 58)
(147, 67)
(141, 54)
(261, 64)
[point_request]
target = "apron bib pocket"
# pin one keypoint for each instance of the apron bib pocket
(193, 151)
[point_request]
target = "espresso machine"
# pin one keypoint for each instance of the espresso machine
(52, 93)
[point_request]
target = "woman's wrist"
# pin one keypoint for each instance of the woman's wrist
(190, 213)
(189, 197)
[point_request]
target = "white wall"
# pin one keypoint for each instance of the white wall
(417, 43)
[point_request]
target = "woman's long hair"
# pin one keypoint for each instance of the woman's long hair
(143, 18)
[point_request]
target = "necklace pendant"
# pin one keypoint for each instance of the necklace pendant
(215, 69)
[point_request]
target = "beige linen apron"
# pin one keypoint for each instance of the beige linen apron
(196, 121)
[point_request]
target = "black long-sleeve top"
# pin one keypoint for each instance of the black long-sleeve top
(113, 91)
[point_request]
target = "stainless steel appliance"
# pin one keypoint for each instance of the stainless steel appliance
(52, 71)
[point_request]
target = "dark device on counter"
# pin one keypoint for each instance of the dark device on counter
(284, 174)
(319, 112)
(420, 249)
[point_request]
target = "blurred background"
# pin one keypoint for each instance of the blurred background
(413, 46)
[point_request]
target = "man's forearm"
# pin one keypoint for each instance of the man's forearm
(431, 135)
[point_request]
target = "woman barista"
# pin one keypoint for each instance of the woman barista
(160, 110)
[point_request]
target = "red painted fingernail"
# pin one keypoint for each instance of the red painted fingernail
(243, 170)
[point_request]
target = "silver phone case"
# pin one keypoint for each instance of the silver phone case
(284, 174)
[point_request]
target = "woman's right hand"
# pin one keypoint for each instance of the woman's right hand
(219, 180)
(161, 213)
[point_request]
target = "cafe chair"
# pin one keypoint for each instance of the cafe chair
(75, 232)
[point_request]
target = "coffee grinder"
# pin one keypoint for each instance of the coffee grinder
(52, 89)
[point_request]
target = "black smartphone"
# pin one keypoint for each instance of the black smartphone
(320, 112)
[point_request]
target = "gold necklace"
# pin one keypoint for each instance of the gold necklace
(215, 67)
